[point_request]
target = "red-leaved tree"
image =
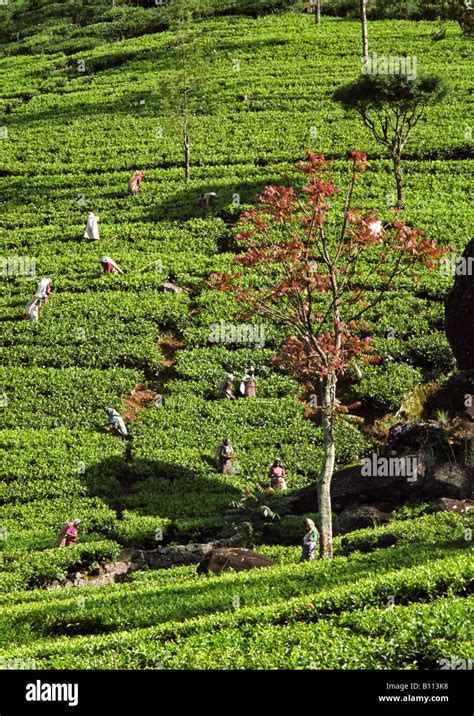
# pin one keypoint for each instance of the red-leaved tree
(316, 272)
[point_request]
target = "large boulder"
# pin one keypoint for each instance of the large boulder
(413, 436)
(233, 558)
(449, 479)
(360, 517)
(446, 504)
(170, 556)
(166, 557)
(350, 489)
(459, 316)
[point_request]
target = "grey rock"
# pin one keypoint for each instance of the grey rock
(235, 558)
(447, 504)
(360, 517)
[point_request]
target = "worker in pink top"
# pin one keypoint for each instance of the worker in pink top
(68, 534)
(277, 475)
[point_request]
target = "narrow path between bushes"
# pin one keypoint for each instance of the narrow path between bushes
(169, 344)
(145, 393)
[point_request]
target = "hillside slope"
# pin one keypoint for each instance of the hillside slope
(77, 125)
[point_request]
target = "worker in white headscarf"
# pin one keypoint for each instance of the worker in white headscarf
(116, 420)
(32, 308)
(248, 383)
(226, 388)
(109, 265)
(45, 288)
(134, 185)
(92, 227)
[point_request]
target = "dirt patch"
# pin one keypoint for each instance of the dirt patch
(168, 346)
(135, 402)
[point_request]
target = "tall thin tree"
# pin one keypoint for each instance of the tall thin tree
(317, 11)
(365, 32)
(179, 91)
(307, 273)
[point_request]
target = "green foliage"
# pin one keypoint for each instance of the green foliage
(383, 9)
(387, 385)
(431, 352)
(37, 569)
(47, 398)
(382, 91)
(97, 338)
(430, 529)
(43, 464)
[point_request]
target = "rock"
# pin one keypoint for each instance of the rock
(412, 436)
(126, 554)
(233, 558)
(360, 517)
(349, 488)
(449, 479)
(166, 557)
(171, 288)
(459, 316)
(387, 507)
(446, 504)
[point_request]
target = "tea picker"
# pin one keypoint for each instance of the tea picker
(109, 265)
(134, 185)
(310, 540)
(68, 534)
(277, 474)
(226, 388)
(92, 227)
(248, 385)
(32, 308)
(45, 288)
(224, 456)
(207, 200)
(117, 421)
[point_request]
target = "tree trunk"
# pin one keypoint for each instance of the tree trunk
(328, 398)
(365, 34)
(317, 12)
(397, 168)
(187, 161)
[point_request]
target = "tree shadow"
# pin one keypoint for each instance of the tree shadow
(184, 204)
(158, 488)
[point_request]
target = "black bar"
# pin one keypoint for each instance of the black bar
(152, 692)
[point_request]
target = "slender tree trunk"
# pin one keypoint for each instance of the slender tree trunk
(187, 159)
(328, 397)
(365, 34)
(397, 168)
(317, 12)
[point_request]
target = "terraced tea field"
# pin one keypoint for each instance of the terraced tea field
(78, 121)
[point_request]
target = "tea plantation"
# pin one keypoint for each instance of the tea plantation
(83, 105)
